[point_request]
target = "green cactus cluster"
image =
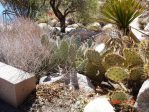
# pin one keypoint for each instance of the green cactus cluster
(118, 96)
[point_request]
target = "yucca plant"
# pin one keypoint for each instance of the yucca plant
(121, 12)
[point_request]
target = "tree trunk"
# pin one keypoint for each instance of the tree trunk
(63, 25)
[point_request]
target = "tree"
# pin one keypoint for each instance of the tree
(62, 8)
(25, 8)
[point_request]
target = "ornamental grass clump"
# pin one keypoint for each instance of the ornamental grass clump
(121, 12)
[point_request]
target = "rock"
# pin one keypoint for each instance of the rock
(15, 84)
(44, 80)
(147, 27)
(100, 47)
(82, 33)
(53, 22)
(109, 27)
(94, 26)
(77, 25)
(44, 26)
(84, 84)
(99, 105)
(101, 37)
(142, 102)
(81, 81)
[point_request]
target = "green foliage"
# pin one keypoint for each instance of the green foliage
(132, 58)
(117, 74)
(121, 12)
(118, 96)
(25, 8)
(111, 60)
(86, 10)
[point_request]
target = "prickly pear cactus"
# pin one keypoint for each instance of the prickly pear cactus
(72, 53)
(93, 56)
(111, 60)
(144, 49)
(63, 51)
(137, 73)
(93, 72)
(119, 96)
(132, 58)
(117, 74)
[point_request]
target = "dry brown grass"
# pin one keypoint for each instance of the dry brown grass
(20, 45)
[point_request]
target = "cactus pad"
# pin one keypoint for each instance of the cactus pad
(118, 96)
(111, 60)
(137, 73)
(117, 74)
(132, 57)
(93, 56)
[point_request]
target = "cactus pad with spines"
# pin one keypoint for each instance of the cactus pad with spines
(111, 60)
(118, 96)
(137, 73)
(132, 58)
(117, 74)
(93, 56)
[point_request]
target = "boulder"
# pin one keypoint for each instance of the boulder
(109, 27)
(53, 22)
(84, 84)
(100, 104)
(49, 79)
(100, 47)
(15, 84)
(44, 26)
(94, 26)
(77, 25)
(82, 33)
(147, 27)
(142, 102)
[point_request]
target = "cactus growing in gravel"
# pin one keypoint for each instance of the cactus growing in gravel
(117, 74)
(132, 58)
(119, 96)
(111, 60)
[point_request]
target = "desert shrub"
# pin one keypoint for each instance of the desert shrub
(20, 46)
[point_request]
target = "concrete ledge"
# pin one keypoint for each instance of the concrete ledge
(15, 84)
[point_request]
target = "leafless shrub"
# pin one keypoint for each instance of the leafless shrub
(20, 46)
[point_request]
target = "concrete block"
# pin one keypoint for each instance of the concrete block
(15, 84)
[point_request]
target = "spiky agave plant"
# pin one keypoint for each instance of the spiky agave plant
(121, 12)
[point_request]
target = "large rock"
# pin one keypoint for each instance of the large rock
(85, 84)
(94, 26)
(44, 26)
(80, 81)
(142, 102)
(99, 105)
(15, 84)
(82, 33)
